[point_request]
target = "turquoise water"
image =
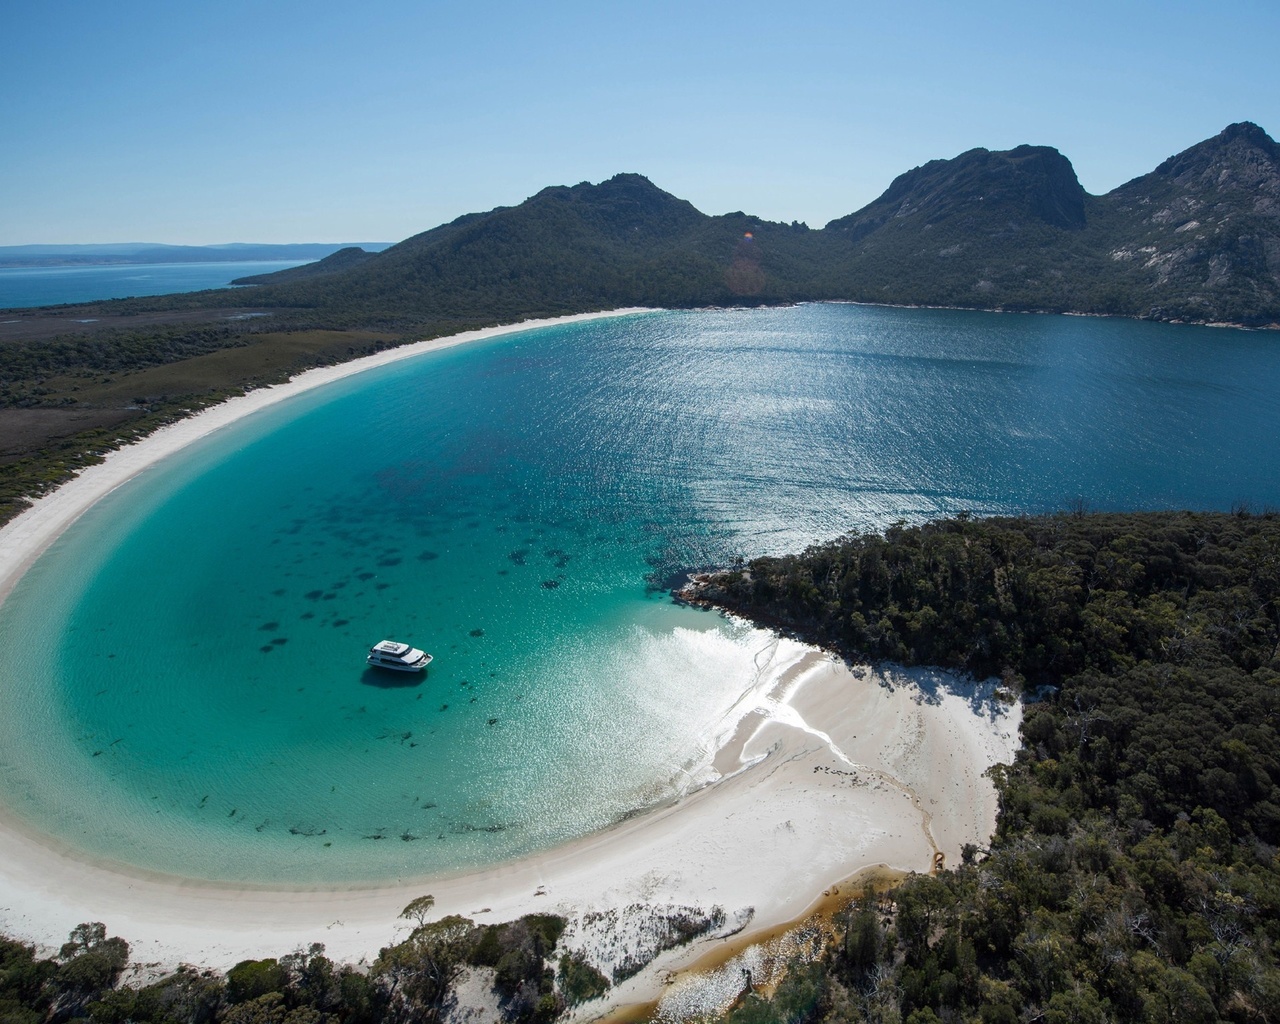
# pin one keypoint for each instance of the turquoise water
(184, 670)
(26, 287)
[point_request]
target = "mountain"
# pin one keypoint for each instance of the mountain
(990, 229)
(622, 242)
(1200, 235)
(1028, 183)
(1197, 239)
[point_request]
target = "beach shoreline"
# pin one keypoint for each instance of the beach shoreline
(831, 770)
(836, 770)
(28, 535)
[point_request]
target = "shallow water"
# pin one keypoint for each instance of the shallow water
(184, 673)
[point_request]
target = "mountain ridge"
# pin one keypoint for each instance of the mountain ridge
(1195, 240)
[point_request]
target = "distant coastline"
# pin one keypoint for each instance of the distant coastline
(67, 285)
(1060, 312)
(155, 253)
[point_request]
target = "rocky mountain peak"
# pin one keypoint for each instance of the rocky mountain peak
(1028, 183)
(1241, 154)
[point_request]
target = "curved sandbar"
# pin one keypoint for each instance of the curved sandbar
(829, 770)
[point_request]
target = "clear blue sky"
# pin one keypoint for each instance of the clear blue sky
(280, 122)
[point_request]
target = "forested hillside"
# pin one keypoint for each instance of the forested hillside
(623, 242)
(1196, 239)
(1134, 875)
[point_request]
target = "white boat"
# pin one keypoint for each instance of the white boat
(401, 657)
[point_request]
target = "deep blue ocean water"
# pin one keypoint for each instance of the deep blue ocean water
(184, 670)
(26, 287)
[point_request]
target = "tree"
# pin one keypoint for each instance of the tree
(420, 970)
(83, 938)
(862, 939)
(91, 960)
(252, 979)
(418, 909)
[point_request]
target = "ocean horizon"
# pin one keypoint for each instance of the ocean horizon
(29, 287)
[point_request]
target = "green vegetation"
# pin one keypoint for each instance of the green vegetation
(803, 994)
(1134, 875)
(410, 981)
(80, 984)
(579, 981)
(417, 975)
(1197, 239)
(72, 369)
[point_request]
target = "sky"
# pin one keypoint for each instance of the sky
(204, 123)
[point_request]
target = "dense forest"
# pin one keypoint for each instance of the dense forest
(1135, 871)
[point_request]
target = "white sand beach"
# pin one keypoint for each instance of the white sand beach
(832, 771)
(23, 539)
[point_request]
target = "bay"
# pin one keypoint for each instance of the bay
(184, 668)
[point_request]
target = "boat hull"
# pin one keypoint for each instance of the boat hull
(420, 666)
